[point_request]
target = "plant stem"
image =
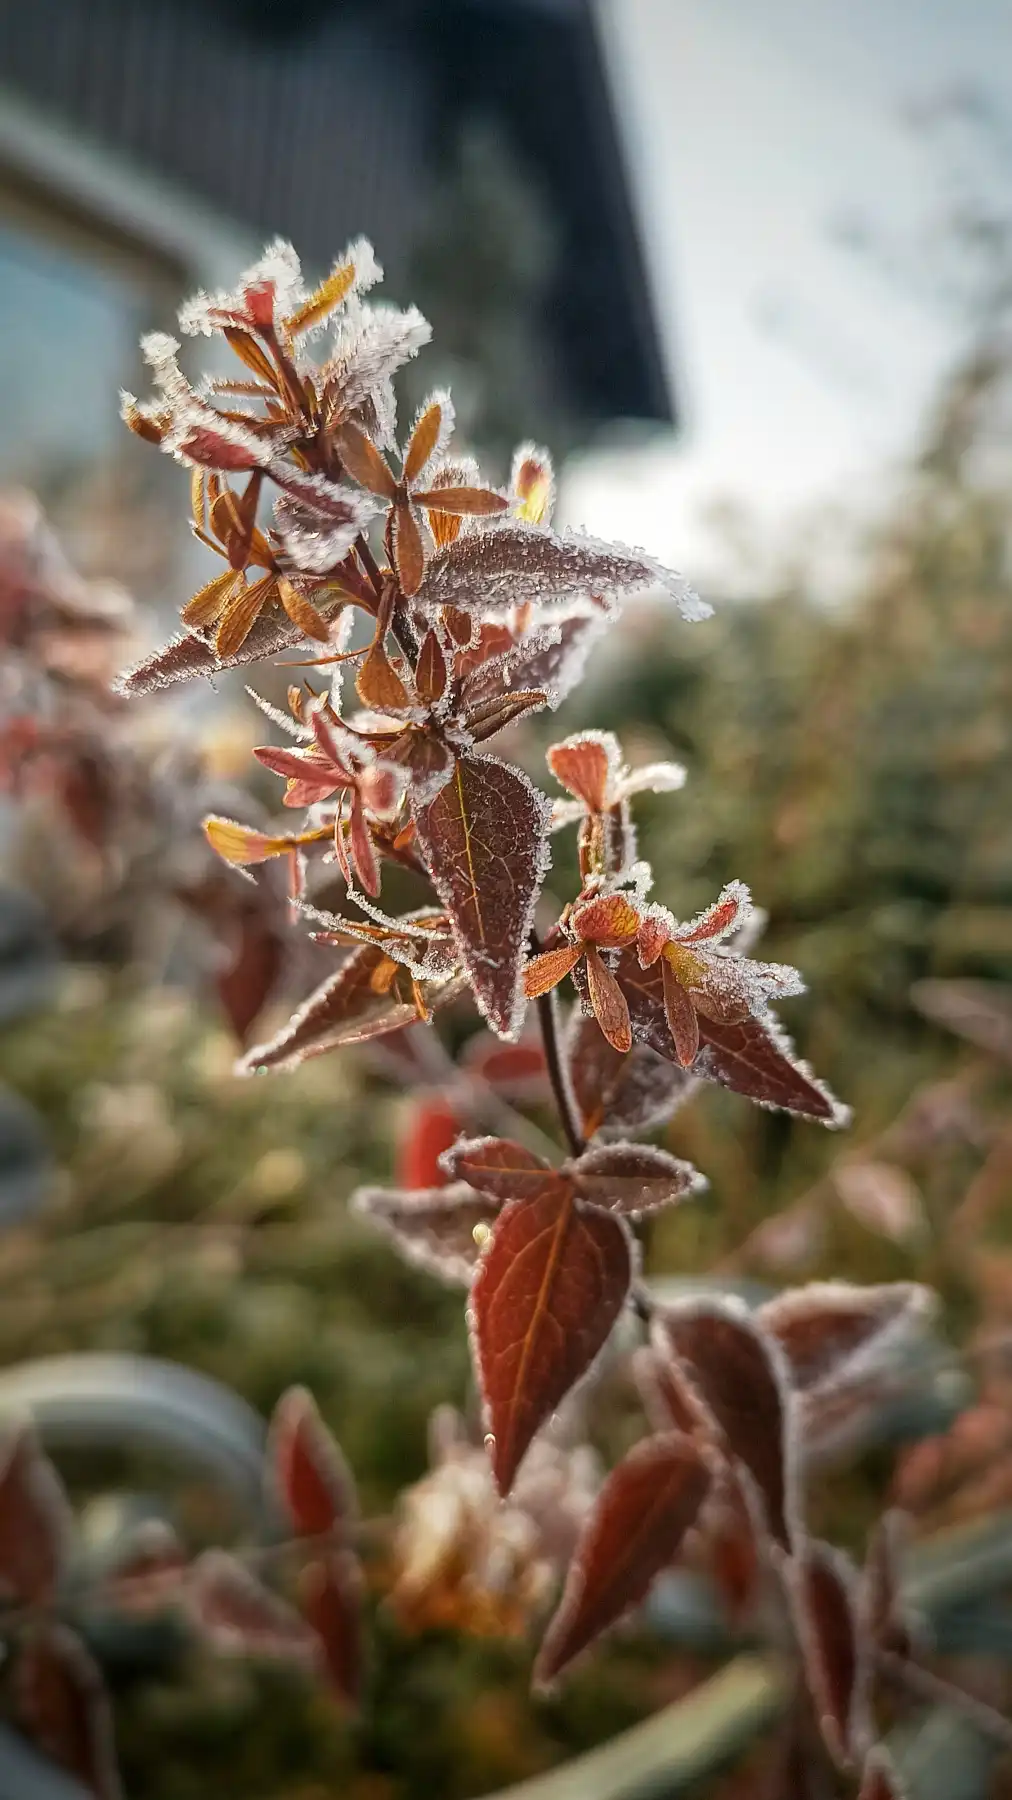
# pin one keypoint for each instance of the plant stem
(549, 1022)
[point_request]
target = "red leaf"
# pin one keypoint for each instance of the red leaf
(751, 1056)
(441, 1229)
(499, 1167)
(824, 1593)
(732, 1553)
(616, 1093)
(245, 987)
(738, 1372)
(431, 1128)
(63, 1707)
(313, 1480)
(35, 1521)
(585, 766)
(238, 1615)
(633, 1178)
(330, 1595)
(517, 1072)
(834, 1331)
(643, 1512)
(548, 1290)
(484, 839)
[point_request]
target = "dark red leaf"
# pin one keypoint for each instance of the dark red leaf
(63, 1707)
(35, 1521)
(431, 1127)
(739, 1373)
(484, 839)
(633, 1178)
(499, 1167)
(751, 1056)
(330, 1595)
(441, 1229)
(548, 1290)
(238, 1615)
(835, 1331)
(366, 997)
(313, 1481)
(517, 1072)
(731, 1550)
(643, 1512)
(824, 1594)
(513, 565)
(616, 1093)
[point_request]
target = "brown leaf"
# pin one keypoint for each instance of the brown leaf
(322, 301)
(482, 722)
(738, 1373)
(883, 1197)
(430, 669)
(313, 1481)
(549, 1287)
(545, 971)
(683, 1022)
(240, 616)
(514, 565)
(824, 1595)
(750, 1056)
(648, 1503)
(484, 839)
(425, 435)
(834, 1331)
(670, 1401)
(883, 1618)
(229, 1607)
(35, 1521)
(302, 612)
(367, 996)
(476, 501)
(409, 551)
(246, 985)
(63, 1707)
(499, 1167)
(611, 1009)
(378, 683)
(442, 1229)
(633, 1178)
(210, 601)
(364, 462)
(731, 1551)
(330, 1595)
(616, 1093)
(187, 656)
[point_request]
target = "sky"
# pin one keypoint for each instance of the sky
(761, 136)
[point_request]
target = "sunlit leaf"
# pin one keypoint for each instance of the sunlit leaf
(648, 1503)
(548, 1290)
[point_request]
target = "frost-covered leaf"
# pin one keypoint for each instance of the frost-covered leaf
(498, 1166)
(731, 1549)
(739, 1373)
(61, 1704)
(670, 1401)
(483, 721)
(367, 996)
(751, 1056)
(317, 539)
(648, 1503)
(187, 656)
(484, 840)
(532, 480)
(883, 1617)
(616, 1094)
(442, 1229)
(634, 1178)
(519, 565)
(824, 1593)
(549, 1287)
(330, 1595)
(35, 1521)
(236, 1613)
(312, 1479)
(835, 1331)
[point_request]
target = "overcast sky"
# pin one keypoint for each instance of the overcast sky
(756, 131)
